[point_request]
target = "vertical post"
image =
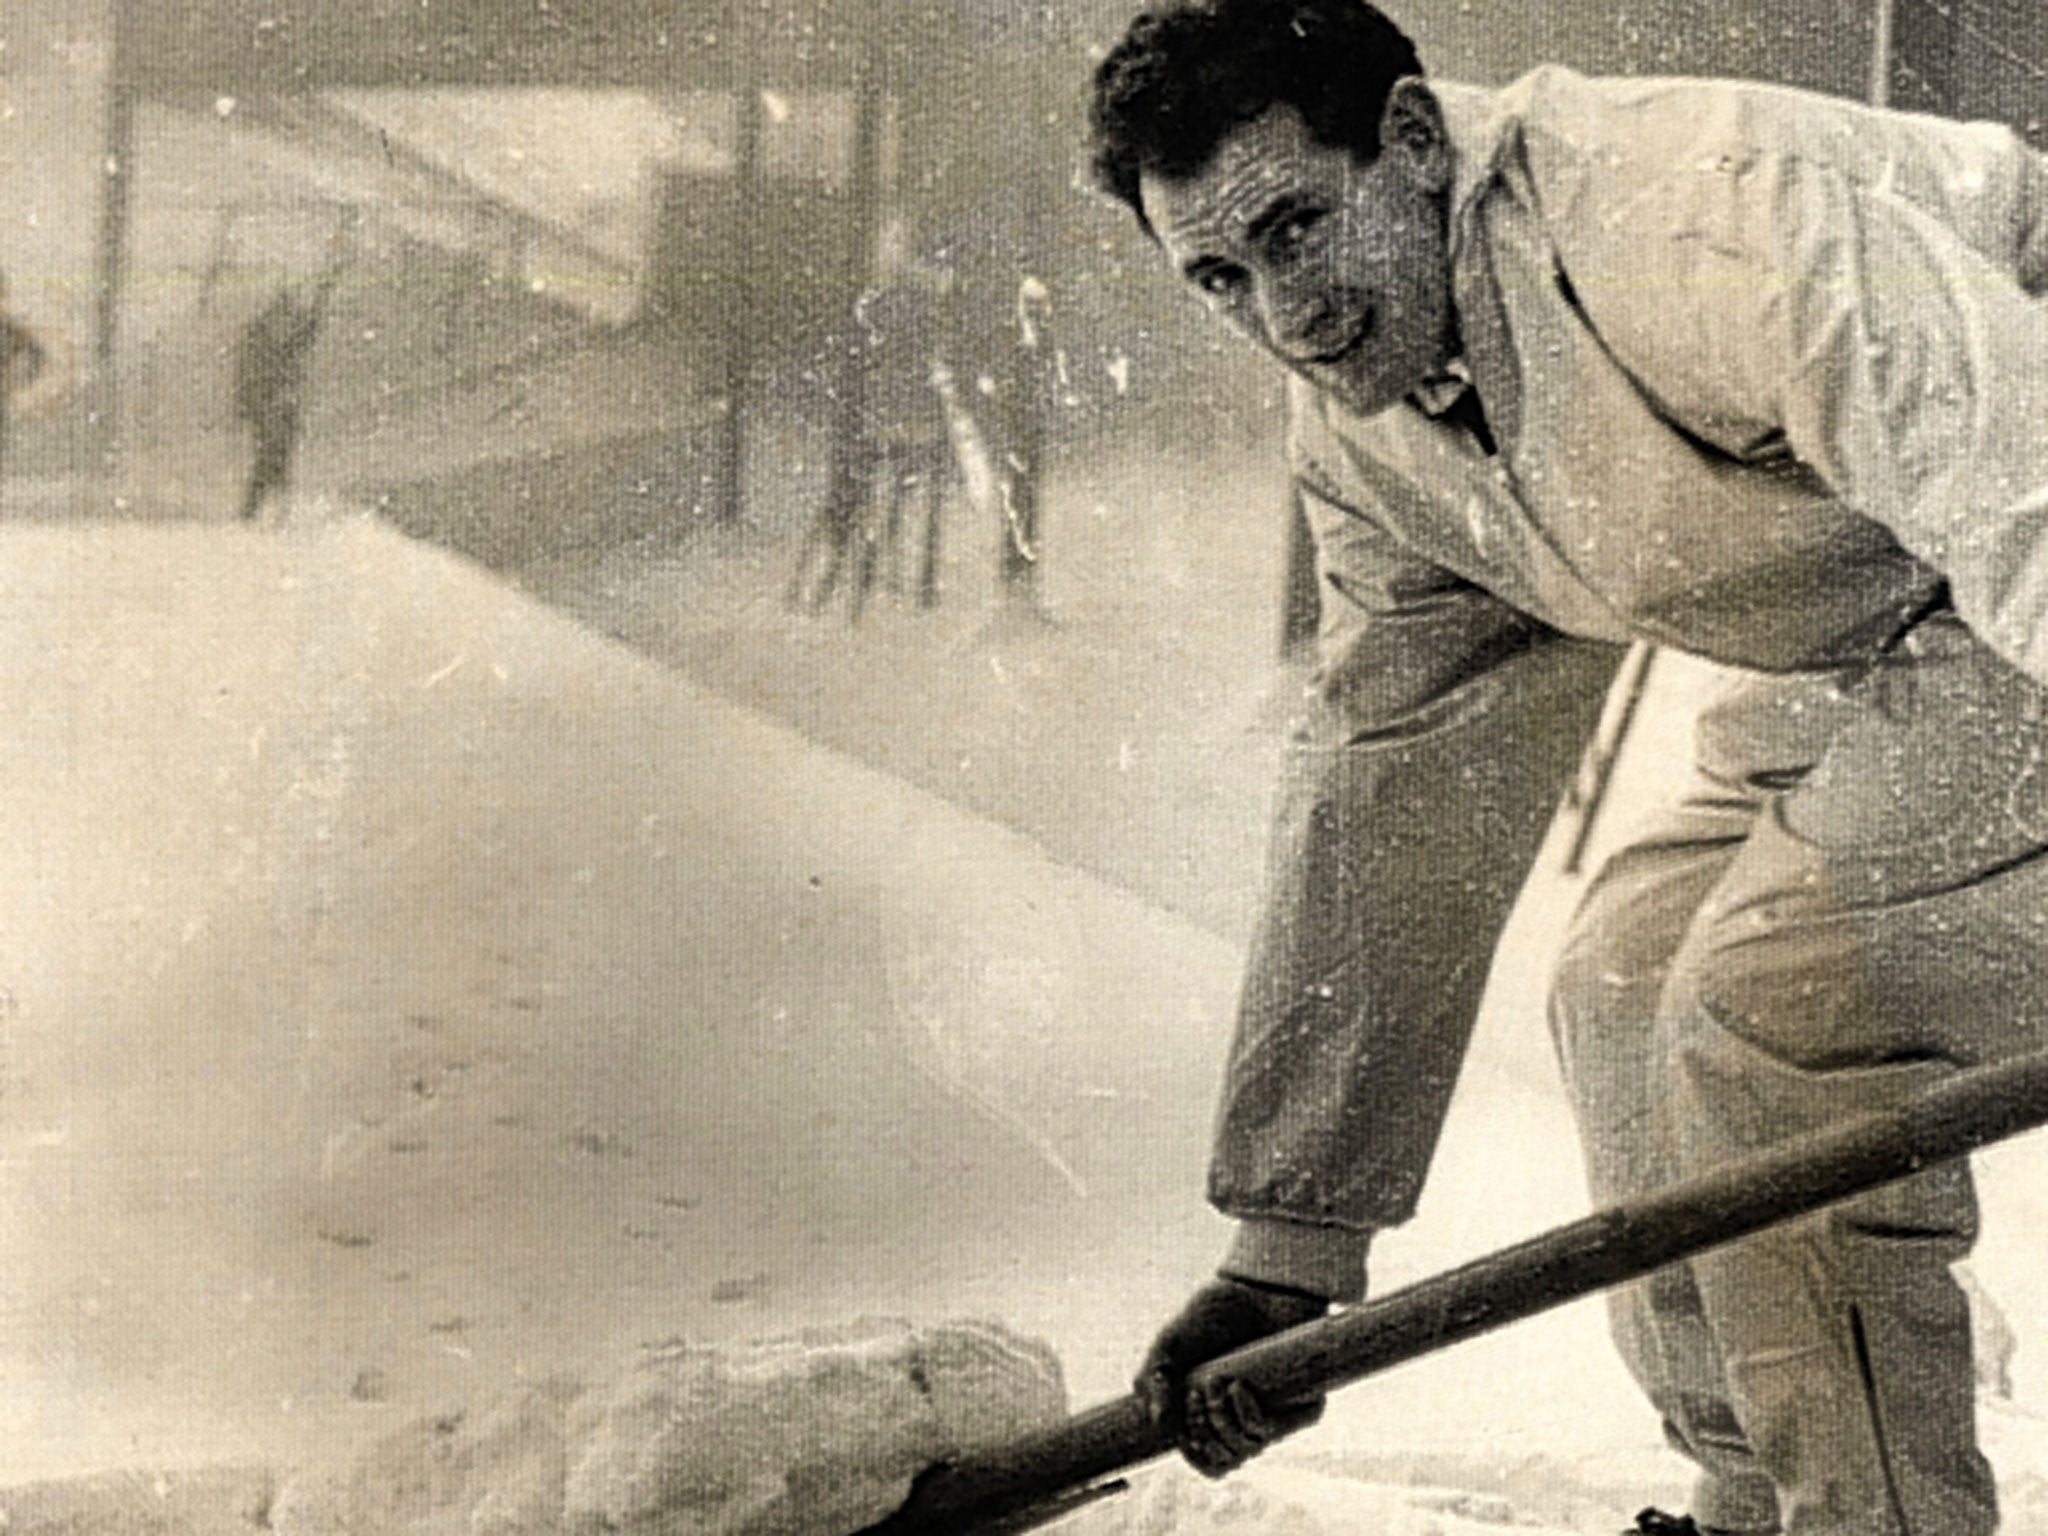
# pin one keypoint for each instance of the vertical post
(117, 187)
(1588, 791)
(1918, 62)
(729, 491)
(852, 462)
(864, 185)
(1881, 46)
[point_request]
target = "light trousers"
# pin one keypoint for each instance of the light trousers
(1849, 901)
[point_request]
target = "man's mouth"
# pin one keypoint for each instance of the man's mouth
(1349, 345)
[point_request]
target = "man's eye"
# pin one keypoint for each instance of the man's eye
(1292, 232)
(1219, 282)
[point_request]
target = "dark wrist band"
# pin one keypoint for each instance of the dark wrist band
(1271, 1289)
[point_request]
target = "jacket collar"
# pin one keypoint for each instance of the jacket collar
(1481, 125)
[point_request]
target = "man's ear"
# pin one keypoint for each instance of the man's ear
(1412, 125)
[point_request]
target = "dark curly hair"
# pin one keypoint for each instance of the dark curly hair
(1189, 71)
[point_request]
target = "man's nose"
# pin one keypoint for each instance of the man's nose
(1298, 317)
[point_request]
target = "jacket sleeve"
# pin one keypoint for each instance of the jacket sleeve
(1440, 728)
(1775, 302)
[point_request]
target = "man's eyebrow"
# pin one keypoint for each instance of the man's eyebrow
(1282, 207)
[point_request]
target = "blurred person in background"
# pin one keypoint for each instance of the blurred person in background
(271, 362)
(894, 445)
(24, 361)
(1733, 369)
(908, 326)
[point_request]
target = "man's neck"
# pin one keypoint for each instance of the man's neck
(1449, 377)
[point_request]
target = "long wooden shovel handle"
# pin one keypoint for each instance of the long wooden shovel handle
(1046, 1474)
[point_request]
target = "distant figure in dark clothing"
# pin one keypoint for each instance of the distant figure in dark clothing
(270, 377)
(22, 361)
(898, 445)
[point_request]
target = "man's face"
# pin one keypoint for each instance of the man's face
(1340, 270)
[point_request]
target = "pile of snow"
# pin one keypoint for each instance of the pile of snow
(819, 1434)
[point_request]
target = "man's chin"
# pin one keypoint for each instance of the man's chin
(1361, 397)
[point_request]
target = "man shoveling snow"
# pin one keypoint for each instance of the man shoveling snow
(1736, 370)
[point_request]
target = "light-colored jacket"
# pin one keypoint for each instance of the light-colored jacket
(1768, 381)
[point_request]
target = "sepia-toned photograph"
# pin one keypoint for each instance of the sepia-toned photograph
(952, 767)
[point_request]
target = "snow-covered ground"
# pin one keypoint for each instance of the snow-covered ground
(411, 993)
